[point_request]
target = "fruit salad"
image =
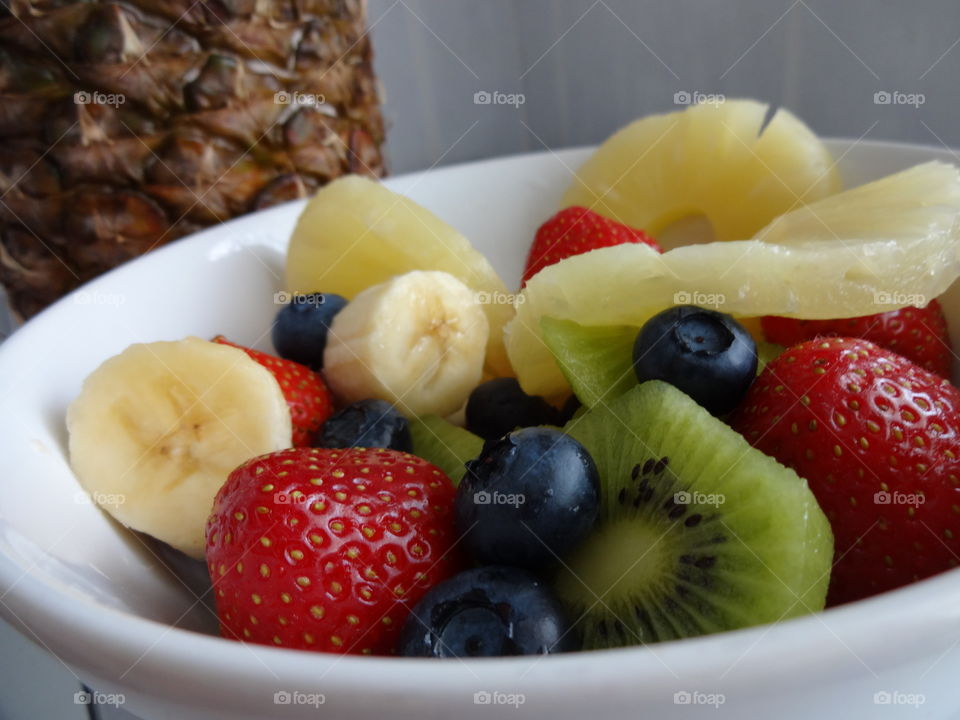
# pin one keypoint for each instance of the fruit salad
(659, 438)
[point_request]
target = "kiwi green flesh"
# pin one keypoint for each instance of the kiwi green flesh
(767, 352)
(445, 445)
(747, 545)
(596, 360)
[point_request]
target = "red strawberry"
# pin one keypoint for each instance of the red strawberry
(328, 550)
(919, 334)
(307, 395)
(878, 439)
(576, 230)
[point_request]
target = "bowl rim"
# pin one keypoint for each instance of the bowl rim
(119, 637)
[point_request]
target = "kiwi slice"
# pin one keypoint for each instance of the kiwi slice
(596, 360)
(445, 445)
(766, 353)
(698, 531)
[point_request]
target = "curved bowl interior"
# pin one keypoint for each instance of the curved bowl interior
(103, 601)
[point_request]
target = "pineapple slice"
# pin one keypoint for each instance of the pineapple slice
(708, 160)
(887, 244)
(355, 233)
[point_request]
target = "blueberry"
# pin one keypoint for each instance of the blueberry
(498, 406)
(486, 612)
(367, 423)
(300, 328)
(531, 497)
(706, 354)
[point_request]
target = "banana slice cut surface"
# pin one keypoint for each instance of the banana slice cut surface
(416, 340)
(156, 430)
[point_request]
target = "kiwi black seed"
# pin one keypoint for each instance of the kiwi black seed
(698, 532)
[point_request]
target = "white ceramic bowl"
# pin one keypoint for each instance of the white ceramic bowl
(79, 585)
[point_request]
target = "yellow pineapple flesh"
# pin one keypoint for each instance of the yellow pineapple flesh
(356, 233)
(887, 244)
(707, 160)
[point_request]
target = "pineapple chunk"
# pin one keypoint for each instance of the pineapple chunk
(355, 233)
(887, 244)
(708, 160)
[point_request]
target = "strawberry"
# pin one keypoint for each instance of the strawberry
(327, 550)
(306, 393)
(919, 334)
(878, 439)
(576, 230)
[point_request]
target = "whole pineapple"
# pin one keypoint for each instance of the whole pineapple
(126, 126)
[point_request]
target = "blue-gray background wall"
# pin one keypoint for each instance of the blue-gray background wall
(588, 66)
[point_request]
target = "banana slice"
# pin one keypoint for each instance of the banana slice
(156, 430)
(416, 340)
